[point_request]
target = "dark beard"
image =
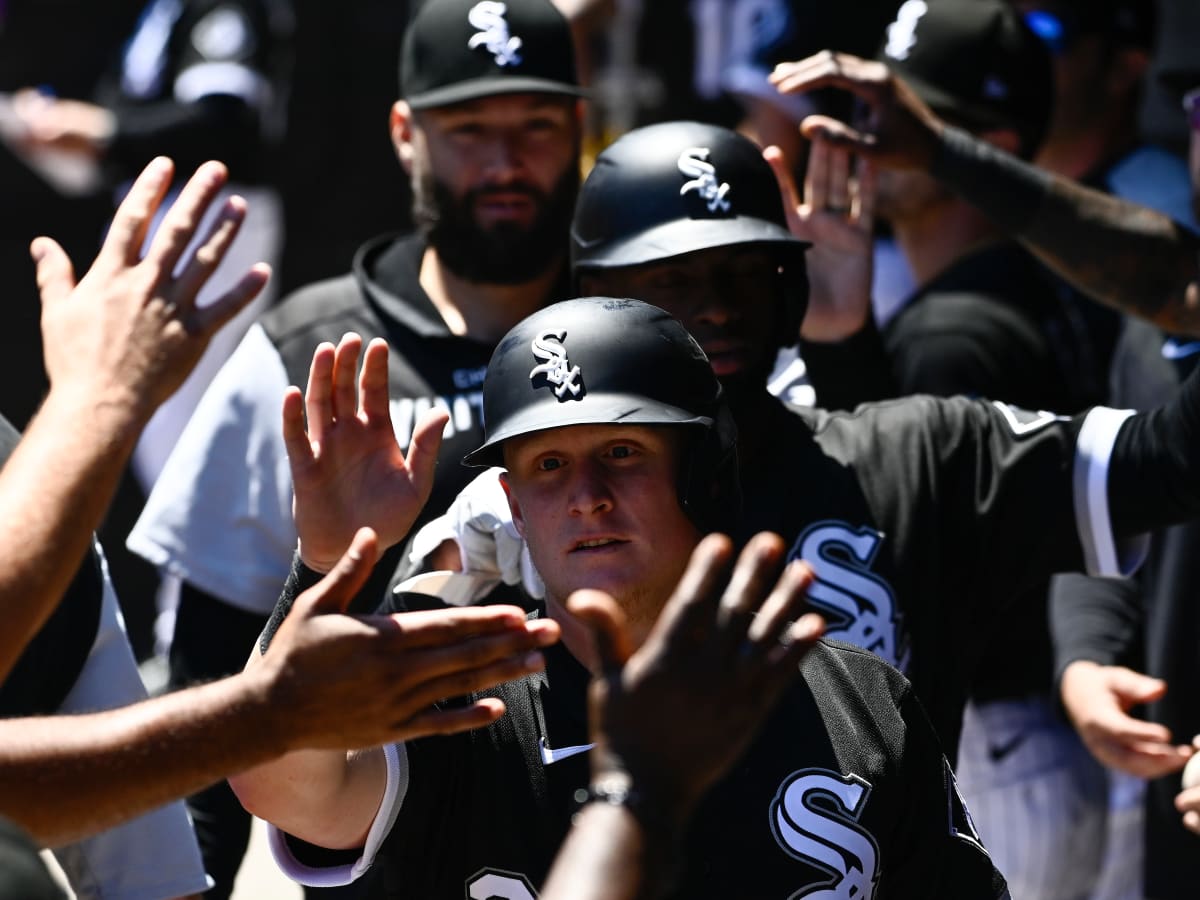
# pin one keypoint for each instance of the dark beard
(506, 254)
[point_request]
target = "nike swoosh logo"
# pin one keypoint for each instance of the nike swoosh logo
(552, 755)
(999, 752)
(1172, 349)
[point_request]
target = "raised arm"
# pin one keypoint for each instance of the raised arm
(117, 343)
(1122, 254)
(329, 680)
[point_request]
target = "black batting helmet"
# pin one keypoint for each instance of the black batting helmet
(678, 187)
(604, 361)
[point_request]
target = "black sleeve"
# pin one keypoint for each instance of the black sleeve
(847, 373)
(946, 858)
(1154, 474)
(300, 579)
(1095, 619)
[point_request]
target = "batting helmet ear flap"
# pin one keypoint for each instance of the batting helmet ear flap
(710, 489)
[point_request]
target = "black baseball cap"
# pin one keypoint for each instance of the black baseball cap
(458, 50)
(974, 62)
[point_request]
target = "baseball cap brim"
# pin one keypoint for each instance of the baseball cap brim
(682, 236)
(600, 409)
(462, 91)
(946, 104)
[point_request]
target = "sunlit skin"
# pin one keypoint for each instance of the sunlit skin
(512, 148)
(726, 297)
(598, 508)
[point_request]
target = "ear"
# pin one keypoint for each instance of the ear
(1128, 70)
(513, 505)
(400, 126)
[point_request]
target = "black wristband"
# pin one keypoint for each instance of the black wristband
(1008, 190)
(299, 580)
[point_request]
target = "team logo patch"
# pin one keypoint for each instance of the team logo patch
(1025, 421)
(497, 884)
(556, 369)
(815, 817)
(694, 165)
(902, 34)
(224, 34)
(487, 17)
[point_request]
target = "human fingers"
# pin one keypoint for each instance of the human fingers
(830, 133)
(295, 439)
(55, 274)
(839, 180)
(1188, 803)
(1134, 688)
(181, 221)
(607, 623)
(693, 604)
(783, 606)
(816, 178)
(435, 675)
(424, 446)
(333, 593)
(214, 316)
(206, 257)
(447, 627)
(344, 393)
(318, 395)
(862, 210)
(123, 243)
(373, 383)
(479, 714)
(863, 78)
(787, 188)
(753, 576)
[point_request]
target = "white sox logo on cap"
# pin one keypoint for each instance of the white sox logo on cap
(558, 371)
(488, 17)
(902, 34)
(693, 163)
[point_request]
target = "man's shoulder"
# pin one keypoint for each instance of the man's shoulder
(833, 667)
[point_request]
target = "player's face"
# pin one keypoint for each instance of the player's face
(494, 183)
(729, 298)
(598, 508)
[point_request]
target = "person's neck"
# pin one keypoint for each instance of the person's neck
(577, 637)
(935, 239)
(1079, 152)
(480, 310)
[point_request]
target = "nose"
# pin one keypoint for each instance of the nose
(589, 490)
(714, 301)
(504, 161)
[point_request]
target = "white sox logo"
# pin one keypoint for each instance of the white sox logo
(496, 884)
(556, 368)
(693, 163)
(902, 34)
(488, 17)
(815, 817)
(863, 604)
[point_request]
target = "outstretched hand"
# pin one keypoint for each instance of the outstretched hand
(127, 335)
(673, 715)
(339, 681)
(837, 214)
(1098, 699)
(899, 131)
(347, 468)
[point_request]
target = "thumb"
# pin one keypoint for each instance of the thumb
(55, 274)
(335, 591)
(606, 622)
(1135, 688)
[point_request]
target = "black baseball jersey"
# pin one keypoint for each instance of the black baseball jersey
(923, 517)
(845, 790)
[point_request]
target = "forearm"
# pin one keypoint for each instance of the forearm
(604, 857)
(1120, 253)
(65, 777)
(1095, 619)
(54, 490)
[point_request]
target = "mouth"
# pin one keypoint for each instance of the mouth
(503, 206)
(725, 357)
(597, 545)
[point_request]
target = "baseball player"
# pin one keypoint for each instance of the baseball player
(619, 456)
